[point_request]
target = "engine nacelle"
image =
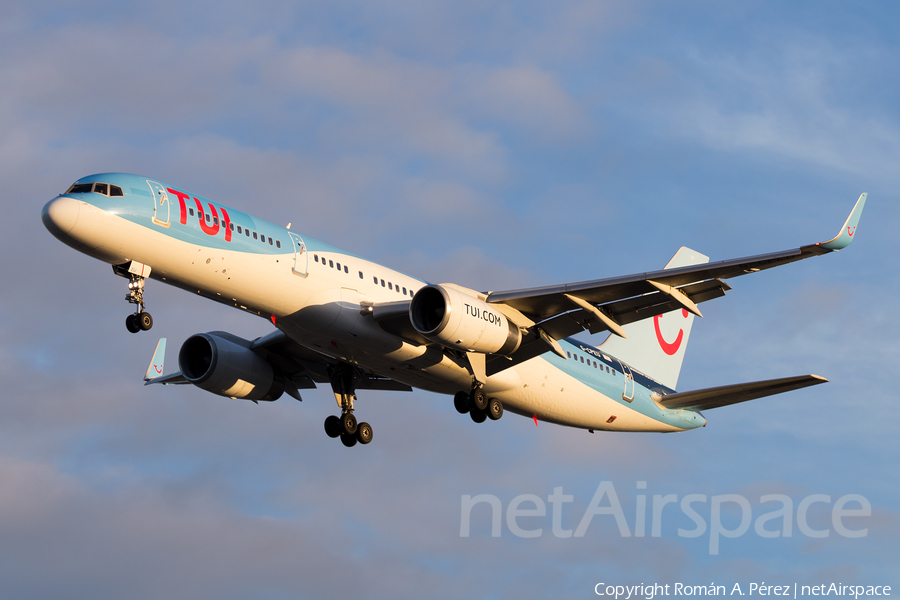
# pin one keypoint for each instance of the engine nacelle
(456, 319)
(222, 366)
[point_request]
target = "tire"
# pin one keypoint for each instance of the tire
(145, 321)
(348, 424)
(348, 440)
(494, 409)
(131, 323)
(479, 416)
(478, 399)
(364, 433)
(333, 426)
(461, 402)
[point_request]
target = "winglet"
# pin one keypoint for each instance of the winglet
(843, 239)
(155, 370)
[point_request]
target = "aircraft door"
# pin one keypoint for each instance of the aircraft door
(301, 256)
(628, 392)
(160, 203)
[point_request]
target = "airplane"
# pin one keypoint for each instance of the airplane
(344, 321)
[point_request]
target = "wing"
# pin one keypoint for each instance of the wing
(303, 368)
(547, 314)
(732, 394)
(606, 304)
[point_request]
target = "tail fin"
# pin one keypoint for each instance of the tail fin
(656, 346)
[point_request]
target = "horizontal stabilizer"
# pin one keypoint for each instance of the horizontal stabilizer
(732, 394)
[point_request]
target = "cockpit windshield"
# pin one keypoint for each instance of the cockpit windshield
(98, 188)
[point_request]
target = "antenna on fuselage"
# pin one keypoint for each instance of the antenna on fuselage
(289, 226)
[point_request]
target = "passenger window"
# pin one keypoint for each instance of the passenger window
(277, 243)
(115, 190)
(339, 266)
(270, 241)
(316, 257)
(607, 369)
(255, 237)
(404, 291)
(101, 188)
(191, 211)
(582, 359)
(231, 226)
(240, 230)
(331, 263)
(262, 239)
(376, 280)
(382, 283)
(568, 355)
(346, 269)
(389, 286)
(247, 232)
(360, 275)
(411, 295)
(216, 220)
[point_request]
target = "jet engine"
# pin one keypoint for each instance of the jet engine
(456, 319)
(219, 363)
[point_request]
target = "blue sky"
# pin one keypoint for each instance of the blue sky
(495, 145)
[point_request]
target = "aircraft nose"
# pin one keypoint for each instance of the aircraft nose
(60, 215)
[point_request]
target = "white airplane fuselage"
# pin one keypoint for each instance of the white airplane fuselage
(316, 294)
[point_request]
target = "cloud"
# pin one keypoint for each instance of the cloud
(796, 99)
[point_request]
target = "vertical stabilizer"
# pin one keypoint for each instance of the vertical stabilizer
(656, 346)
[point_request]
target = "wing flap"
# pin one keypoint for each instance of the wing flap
(733, 394)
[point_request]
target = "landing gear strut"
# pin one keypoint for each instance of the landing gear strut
(343, 382)
(140, 320)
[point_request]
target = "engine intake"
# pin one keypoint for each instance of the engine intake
(227, 368)
(453, 318)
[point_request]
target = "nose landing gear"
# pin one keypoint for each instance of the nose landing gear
(140, 320)
(136, 273)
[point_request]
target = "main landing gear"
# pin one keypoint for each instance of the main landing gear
(343, 382)
(140, 320)
(478, 405)
(346, 428)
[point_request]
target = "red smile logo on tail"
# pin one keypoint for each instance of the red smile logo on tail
(669, 348)
(850, 233)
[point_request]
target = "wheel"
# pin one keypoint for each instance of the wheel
(461, 402)
(494, 409)
(145, 321)
(478, 399)
(364, 433)
(333, 426)
(479, 416)
(131, 323)
(348, 440)
(348, 423)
